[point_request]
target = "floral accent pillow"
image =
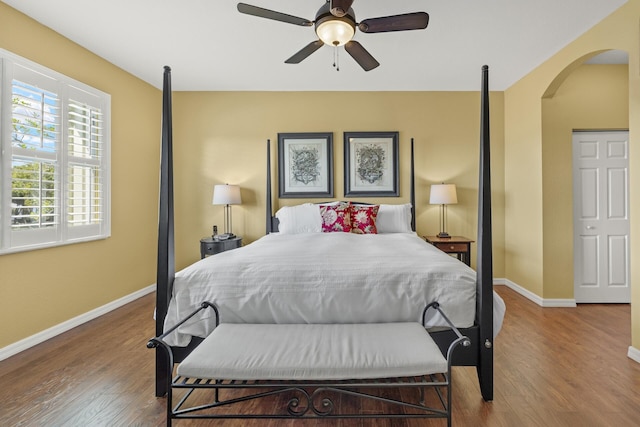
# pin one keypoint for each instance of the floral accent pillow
(336, 218)
(363, 219)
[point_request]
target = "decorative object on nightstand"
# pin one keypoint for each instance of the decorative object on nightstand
(443, 195)
(227, 195)
(456, 245)
(211, 246)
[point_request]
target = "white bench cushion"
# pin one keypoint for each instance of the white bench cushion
(314, 352)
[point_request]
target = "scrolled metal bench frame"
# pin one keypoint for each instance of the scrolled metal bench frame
(309, 398)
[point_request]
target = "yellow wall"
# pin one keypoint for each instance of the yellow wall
(40, 289)
(524, 161)
(220, 137)
(523, 187)
(591, 97)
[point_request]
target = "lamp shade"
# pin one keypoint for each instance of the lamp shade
(225, 194)
(335, 32)
(443, 194)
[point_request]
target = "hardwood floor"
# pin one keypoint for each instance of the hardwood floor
(553, 367)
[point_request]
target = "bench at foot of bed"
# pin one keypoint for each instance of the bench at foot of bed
(310, 367)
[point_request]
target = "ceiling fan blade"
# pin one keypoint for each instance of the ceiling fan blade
(407, 21)
(340, 8)
(271, 14)
(304, 52)
(360, 54)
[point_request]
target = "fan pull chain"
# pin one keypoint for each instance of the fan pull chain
(336, 59)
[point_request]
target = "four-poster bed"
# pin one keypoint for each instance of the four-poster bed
(480, 330)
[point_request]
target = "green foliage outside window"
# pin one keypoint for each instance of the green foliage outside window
(33, 191)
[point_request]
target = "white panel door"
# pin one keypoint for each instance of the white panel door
(601, 217)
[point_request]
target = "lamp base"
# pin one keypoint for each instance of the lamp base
(444, 235)
(225, 236)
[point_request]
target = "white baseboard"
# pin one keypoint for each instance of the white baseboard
(17, 347)
(542, 302)
(634, 354)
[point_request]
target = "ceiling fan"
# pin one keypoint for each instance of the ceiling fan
(335, 25)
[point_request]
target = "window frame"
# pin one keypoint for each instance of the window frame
(68, 90)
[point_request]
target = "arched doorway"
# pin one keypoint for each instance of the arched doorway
(586, 95)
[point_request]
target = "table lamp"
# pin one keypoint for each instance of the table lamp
(443, 195)
(227, 195)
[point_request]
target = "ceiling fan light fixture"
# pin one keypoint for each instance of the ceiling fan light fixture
(335, 32)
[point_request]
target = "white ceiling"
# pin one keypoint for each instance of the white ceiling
(211, 46)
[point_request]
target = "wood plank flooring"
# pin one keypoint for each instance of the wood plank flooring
(553, 367)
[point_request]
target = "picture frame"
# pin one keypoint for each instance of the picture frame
(371, 165)
(305, 165)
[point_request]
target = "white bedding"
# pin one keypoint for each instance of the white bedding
(323, 278)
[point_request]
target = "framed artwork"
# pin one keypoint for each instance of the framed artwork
(371, 164)
(305, 165)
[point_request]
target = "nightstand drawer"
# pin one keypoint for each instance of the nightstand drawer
(452, 247)
(209, 246)
(212, 249)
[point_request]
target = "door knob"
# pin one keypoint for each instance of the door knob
(590, 227)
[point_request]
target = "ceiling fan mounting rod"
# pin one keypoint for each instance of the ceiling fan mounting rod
(339, 8)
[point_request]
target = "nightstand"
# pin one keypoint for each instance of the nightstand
(456, 245)
(209, 246)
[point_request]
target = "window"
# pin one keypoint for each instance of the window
(54, 161)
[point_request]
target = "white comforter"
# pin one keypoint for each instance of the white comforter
(323, 278)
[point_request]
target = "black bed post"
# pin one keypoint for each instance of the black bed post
(413, 190)
(484, 264)
(269, 207)
(166, 261)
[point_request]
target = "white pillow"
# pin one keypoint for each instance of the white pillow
(298, 219)
(394, 219)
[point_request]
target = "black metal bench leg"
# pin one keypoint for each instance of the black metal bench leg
(161, 373)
